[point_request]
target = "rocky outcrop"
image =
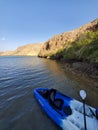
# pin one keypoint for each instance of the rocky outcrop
(27, 50)
(60, 41)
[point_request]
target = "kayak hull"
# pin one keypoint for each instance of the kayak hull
(70, 116)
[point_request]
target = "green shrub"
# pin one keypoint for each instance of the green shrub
(85, 47)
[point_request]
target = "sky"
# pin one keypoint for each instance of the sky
(35, 21)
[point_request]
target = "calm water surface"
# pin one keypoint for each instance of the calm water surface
(19, 109)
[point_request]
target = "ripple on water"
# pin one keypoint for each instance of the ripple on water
(18, 77)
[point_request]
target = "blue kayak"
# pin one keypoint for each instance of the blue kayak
(65, 111)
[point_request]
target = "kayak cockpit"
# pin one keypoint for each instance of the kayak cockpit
(56, 101)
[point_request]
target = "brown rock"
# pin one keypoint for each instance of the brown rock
(60, 41)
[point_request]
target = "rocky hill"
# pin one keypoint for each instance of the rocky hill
(27, 50)
(78, 49)
(66, 40)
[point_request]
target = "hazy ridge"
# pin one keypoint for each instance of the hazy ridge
(27, 50)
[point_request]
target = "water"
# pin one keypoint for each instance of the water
(19, 109)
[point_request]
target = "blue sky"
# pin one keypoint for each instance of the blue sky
(33, 21)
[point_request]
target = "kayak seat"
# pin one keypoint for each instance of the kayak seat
(51, 97)
(58, 103)
(55, 102)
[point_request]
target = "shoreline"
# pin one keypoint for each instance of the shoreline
(83, 70)
(80, 68)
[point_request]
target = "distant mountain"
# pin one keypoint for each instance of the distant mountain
(75, 44)
(27, 50)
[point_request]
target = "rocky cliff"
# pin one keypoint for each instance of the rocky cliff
(78, 49)
(60, 41)
(27, 50)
